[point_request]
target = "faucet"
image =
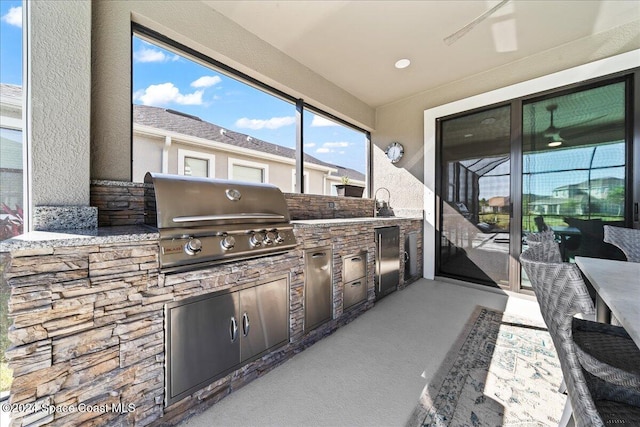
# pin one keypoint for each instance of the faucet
(383, 208)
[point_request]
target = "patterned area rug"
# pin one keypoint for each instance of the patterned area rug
(503, 371)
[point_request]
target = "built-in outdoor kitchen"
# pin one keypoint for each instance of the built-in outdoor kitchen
(188, 289)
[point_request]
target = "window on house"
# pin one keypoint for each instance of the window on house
(195, 163)
(240, 170)
(196, 167)
(182, 95)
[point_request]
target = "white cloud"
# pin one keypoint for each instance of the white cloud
(152, 55)
(206, 81)
(335, 144)
(167, 93)
(331, 147)
(310, 145)
(319, 121)
(272, 123)
(14, 16)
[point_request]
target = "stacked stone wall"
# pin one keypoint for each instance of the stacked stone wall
(88, 324)
(122, 203)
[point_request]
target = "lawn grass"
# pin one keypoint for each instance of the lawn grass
(6, 377)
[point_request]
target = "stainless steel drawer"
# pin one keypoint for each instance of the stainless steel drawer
(354, 267)
(354, 292)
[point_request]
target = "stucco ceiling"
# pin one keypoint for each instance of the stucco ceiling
(354, 44)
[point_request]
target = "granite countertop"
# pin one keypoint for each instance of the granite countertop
(340, 221)
(79, 237)
(137, 233)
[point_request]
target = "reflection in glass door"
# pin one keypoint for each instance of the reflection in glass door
(475, 196)
(557, 162)
(574, 169)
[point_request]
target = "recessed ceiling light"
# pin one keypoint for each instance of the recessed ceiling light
(469, 135)
(402, 63)
(555, 143)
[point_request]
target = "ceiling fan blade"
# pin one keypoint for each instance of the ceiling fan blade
(449, 40)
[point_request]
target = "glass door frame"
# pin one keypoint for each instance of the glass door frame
(632, 173)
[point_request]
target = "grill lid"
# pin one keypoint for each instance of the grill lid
(185, 201)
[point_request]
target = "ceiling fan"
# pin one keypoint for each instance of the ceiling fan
(553, 134)
(449, 40)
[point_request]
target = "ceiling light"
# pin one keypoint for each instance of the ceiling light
(488, 121)
(402, 63)
(555, 143)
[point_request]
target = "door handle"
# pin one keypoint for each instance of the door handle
(356, 259)
(354, 284)
(245, 324)
(318, 254)
(233, 329)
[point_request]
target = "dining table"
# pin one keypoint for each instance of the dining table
(617, 284)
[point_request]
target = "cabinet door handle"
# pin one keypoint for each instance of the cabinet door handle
(354, 284)
(245, 324)
(356, 259)
(233, 329)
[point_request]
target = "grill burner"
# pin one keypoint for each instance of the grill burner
(205, 221)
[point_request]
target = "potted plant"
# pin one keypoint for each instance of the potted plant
(348, 190)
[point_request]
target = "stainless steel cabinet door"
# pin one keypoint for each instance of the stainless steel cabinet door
(204, 341)
(318, 295)
(387, 260)
(264, 317)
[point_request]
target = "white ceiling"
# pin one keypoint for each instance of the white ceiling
(354, 44)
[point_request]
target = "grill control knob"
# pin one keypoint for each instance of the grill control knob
(228, 243)
(270, 237)
(193, 246)
(279, 237)
(256, 239)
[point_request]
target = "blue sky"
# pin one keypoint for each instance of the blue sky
(163, 79)
(11, 42)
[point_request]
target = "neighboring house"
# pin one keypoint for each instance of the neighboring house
(169, 141)
(11, 164)
(599, 188)
(499, 204)
(592, 196)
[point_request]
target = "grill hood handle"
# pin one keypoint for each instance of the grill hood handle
(227, 217)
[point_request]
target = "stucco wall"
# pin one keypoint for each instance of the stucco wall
(59, 89)
(200, 27)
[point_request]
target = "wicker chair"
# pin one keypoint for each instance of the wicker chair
(541, 236)
(562, 294)
(627, 239)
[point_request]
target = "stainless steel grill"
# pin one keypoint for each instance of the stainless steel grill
(205, 221)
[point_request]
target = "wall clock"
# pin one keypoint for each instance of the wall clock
(394, 152)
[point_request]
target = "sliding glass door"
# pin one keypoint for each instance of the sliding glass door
(476, 191)
(559, 162)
